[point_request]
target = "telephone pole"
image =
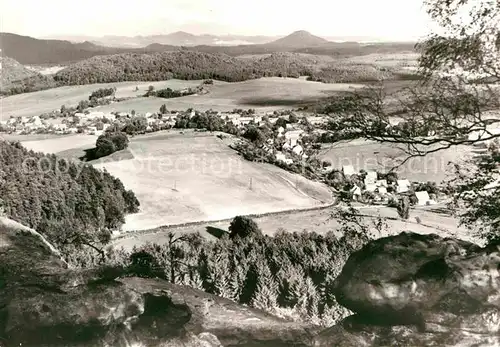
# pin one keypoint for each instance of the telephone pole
(250, 183)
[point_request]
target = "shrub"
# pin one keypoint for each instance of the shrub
(254, 134)
(242, 226)
(102, 93)
(108, 143)
(105, 147)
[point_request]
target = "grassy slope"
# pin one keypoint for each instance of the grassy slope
(193, 177)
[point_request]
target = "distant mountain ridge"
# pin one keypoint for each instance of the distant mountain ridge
(182, 38)
(28, 50)
(178, 38)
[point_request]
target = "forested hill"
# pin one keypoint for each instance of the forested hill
(186, 65)
(71, 204)
(154, 67)
(28, 50)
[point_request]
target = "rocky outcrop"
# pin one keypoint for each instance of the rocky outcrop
(406, 290)
(418, 290)
(45, 303)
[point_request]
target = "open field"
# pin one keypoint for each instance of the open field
(264, 94)
(369, 155)
(60, 144)
(46, 70)
(30, 137)
(36, 103)
(181, 178)
(318, 221)
(391, 60)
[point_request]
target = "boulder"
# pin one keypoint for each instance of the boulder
(355, 332)
(415, 290)
(43, 302)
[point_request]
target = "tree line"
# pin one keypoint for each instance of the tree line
(289, 274)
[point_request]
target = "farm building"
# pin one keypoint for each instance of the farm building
(371, 187)
(294, 134)
(356, 192)
(381, 183)
(246, 120)
(298, 150)
(280, 156)
(403, 186)
(371, 176)
(382, 190)
(60, 126)
(348, 170)
(316, 120)
(94, 115)
(492, 186)
(109, 116)
(423, 198)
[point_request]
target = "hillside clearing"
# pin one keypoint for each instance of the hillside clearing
(180, 178)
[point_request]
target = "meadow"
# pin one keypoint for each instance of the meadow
(59, 144)
(263, 94)
(185, 177)
(315, 220)
(402, 60)
(36, 103)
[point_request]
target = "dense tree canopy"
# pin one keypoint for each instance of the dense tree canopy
(242, 226)
(289, 275)
(71, 204)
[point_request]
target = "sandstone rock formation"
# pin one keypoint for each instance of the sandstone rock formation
(406, 290)
(44, 303)
(418, 290)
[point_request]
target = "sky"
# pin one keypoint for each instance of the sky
(384, 19)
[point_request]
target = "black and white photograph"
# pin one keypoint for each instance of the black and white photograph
(228, 173)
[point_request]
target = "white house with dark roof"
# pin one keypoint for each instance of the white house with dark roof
(423, 198)
(403, 186)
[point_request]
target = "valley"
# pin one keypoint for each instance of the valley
(192, 173)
